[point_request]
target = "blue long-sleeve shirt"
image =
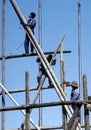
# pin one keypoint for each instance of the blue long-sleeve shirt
(32, 24)
(75, 94)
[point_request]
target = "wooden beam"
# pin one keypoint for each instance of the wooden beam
(46, 128)
(31, 106)
(32, 54)
(27, 120)
(32, 89)
(85, 93)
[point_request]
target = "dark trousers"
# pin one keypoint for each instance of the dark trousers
(26, 45)
(74, 106)
(39, 77)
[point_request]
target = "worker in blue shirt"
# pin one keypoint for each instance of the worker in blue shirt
(75, 95)
(31, 23)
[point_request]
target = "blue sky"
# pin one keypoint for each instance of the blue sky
(58, 17)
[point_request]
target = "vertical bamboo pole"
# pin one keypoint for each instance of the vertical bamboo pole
(27, 101)
(40, 43)
(80, 57)
(86, 112)
(3, 62)
(79, 50)
(62, 72)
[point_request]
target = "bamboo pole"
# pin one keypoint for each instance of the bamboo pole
(34, 54)
(27, 102)
(32, 106)
(33, 89)
(3, 63)
(47, 128)
(40, 43)
(74, 120)
(62, 75)
(86, 111)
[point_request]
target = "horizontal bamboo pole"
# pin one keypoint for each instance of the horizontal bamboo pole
(31, 106)
(31, 89)
(23, 90)
(46, 128)
(32, 54)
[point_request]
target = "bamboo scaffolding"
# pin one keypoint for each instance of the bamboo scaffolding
(16, 103)
(47, 128)
(64, 102)
(44, 61)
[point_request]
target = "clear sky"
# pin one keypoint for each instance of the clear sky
(58, 17)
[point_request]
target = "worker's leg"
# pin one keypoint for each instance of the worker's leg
(32, 47)
(50, 83)
(26, 44)
(39, 76)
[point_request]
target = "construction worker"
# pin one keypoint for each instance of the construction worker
(31, 23)
(42, 70)
(75, 95)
